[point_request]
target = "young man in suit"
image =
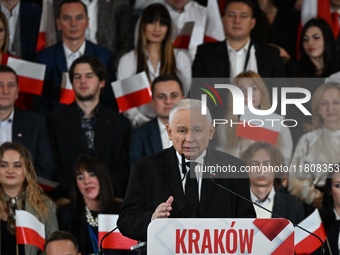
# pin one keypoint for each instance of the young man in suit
(72, 21)
(88, 127)
(152, 137)
(157, 188)
(238, 53)
(25, 127)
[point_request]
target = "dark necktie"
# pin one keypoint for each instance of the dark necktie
(191, 191)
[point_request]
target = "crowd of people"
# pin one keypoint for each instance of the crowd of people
(130, 163)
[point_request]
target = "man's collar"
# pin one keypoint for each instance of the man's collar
(270, 196)
(244, 48)
(95, 110)
(68, 52)
(199, 160)
(10, 117)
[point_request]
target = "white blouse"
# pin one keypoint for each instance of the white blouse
(128, 66)
(317, 149)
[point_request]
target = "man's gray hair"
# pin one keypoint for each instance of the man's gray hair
(188, 104)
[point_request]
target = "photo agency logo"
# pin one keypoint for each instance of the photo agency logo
(248, 113)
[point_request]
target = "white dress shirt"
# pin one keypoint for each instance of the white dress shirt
(71, 56)
(6, 129)
(128, 66)
(92, 10)
(237, 59)
(12, 19)
(267, 203)
(166, 142)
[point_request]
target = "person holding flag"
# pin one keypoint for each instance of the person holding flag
(19, 190)
(91, 194)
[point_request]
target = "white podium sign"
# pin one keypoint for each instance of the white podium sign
(220, 236)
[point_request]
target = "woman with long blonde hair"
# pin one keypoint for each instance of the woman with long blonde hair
(19, 190)
(155, 55)
(227, 140)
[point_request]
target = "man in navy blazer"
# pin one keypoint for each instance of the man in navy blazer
(228, 58)
(29, 18)
(25, 127)
(72, 20)
(152, 137)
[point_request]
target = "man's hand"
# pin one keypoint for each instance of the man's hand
(163, 210)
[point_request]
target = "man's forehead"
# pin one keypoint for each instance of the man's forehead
(72, 8)
(238, 7)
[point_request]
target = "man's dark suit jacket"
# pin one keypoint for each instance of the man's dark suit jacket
(155, 178)
(54, 59)
(68, 142)
(288, 207)
(145, 141)
(29, 17)
(29, 129)
(212, 61)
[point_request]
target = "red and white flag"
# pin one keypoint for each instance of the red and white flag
(264, 128)
(67, 94)
(29, 229)
(107, 222)
(45, 184)
(214, 29)
(47, 36)
(317, 9)
(306, 243)
(132, 92)
(182, 41)
(31, 75)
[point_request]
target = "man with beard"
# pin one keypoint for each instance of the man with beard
(88, 127)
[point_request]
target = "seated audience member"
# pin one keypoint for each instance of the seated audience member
(318, 148)
(62, 243)
(152, 137)
(318, 59)
(72, 21)
(198, 197)
(110, 24)
(92, 194)
(226, 138)
(88, 127)
(154, 55)
(19, 190)
(24, 22)
(330, 211)
(239, 52)
(25, 127)
(277, 26)
(265, 186)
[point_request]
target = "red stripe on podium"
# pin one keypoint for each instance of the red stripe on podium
(116, 241)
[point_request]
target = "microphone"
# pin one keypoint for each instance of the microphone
(248, 200)
(184, 171)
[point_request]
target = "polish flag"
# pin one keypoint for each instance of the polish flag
(67, 95)
(107, 222)
(214, 28)
(304, 242)
(182, 41)
(264, 128)
(47, 36)
(29, 229)
(45, 184)
(132, 92)
(31, 75)
(317, 9)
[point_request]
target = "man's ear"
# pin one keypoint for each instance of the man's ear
(211, 131)
(58, 24)
(253, 21)
(102, 84)
(169, 131)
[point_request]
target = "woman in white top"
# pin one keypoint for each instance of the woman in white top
(226, 138)
(154, 55)
(317, 150)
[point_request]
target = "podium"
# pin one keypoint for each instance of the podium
(220, 236)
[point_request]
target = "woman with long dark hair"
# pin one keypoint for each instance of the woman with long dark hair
(155, 55)
(91, 194)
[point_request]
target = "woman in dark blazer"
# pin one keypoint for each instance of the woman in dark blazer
(91, 194)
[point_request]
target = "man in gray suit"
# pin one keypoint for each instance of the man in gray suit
(27, 128)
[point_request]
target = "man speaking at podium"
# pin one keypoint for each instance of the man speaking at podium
(159, 187)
